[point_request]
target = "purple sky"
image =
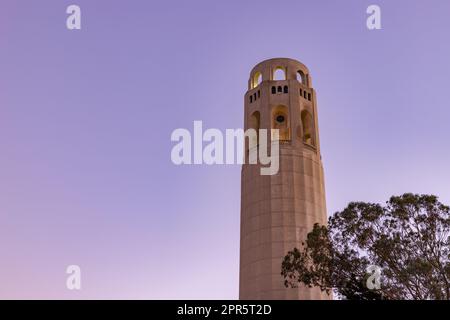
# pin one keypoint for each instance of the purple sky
(86, 117)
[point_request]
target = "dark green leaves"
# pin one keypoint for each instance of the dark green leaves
(408, 239)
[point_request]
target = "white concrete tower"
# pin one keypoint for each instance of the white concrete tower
(278, 211)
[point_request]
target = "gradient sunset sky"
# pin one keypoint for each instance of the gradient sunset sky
(86, 117)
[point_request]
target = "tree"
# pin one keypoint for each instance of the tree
(408, 239)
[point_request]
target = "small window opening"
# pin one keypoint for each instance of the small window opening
(279, 73)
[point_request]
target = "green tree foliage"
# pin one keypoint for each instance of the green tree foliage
(408, 238)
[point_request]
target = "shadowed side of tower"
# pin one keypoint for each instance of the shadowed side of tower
(278, 211)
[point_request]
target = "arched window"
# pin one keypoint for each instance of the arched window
(254, 123)
(279, 73)
(308, 128)
(280, 121)
(285, 89)
(279, 89)
(274, 90)
(301, 77)
(257, 79)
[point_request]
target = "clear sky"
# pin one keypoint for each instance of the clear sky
(86, 118)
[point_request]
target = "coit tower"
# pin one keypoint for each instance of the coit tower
(277, 211)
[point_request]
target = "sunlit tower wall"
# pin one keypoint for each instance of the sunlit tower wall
(277, 211)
